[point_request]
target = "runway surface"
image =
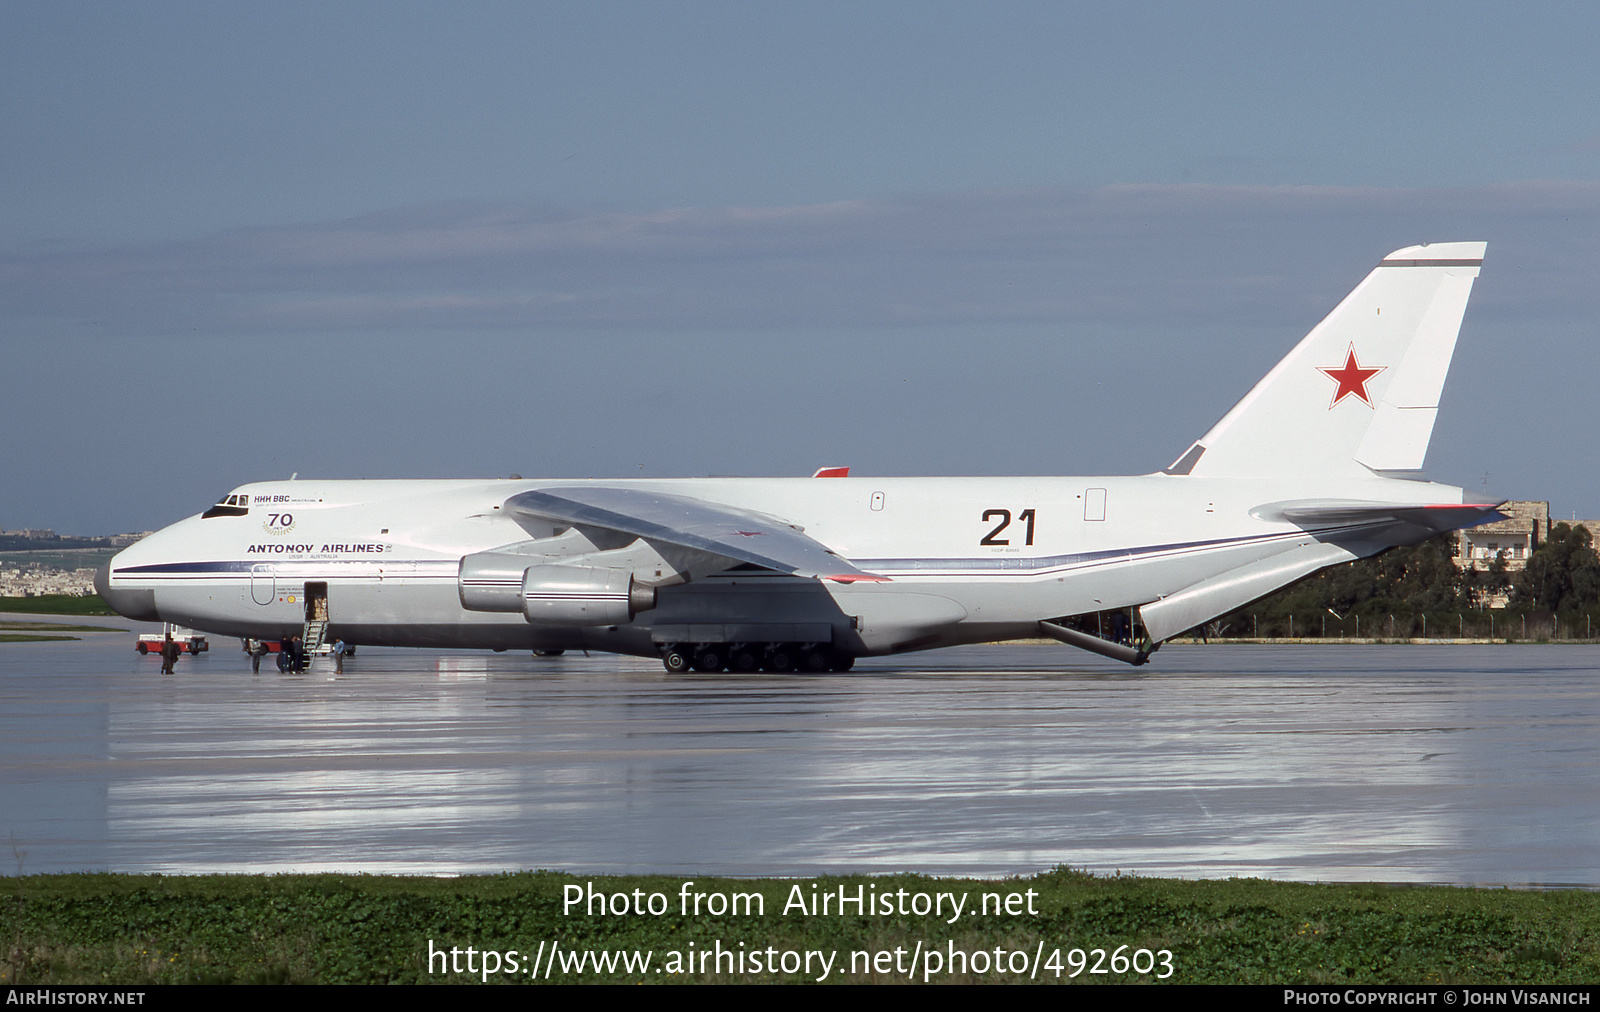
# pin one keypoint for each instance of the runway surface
(1452, 764)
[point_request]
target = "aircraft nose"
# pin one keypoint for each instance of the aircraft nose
(139, 605)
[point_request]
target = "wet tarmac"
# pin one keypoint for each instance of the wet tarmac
(1459, 764)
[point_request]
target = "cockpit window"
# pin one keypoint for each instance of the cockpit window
(228, 506)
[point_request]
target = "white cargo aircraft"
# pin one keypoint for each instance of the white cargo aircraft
(1319, 464)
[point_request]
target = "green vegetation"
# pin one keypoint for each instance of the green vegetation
(1563, 574)
(19, 544)
(57, 604)
(33, 632)
(1418, 591)
(136, 929)
(54, 627)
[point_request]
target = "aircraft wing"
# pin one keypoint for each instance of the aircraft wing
(1313, 513)
(688, 522)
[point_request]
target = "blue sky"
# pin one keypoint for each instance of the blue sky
(415, 240)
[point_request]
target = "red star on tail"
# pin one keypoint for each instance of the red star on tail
(1351, 378)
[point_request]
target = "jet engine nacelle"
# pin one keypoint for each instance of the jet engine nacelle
(549, 594)
(582, 595)
(492, 581)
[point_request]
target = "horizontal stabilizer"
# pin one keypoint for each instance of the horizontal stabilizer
(662, 517)
(1437, 517)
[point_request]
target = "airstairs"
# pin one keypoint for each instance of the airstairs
(315, 632)
(314, 639)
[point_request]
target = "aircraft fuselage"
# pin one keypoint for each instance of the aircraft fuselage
(967, 559)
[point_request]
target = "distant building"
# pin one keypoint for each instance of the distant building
(1513, 539)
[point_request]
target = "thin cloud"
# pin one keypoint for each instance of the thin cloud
(1124, 254)
(1583, 146)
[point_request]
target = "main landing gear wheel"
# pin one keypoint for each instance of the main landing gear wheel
(710, 659)
(675, 661)
(548, 653)
(778, 658)
(781, 659)
(816, 659)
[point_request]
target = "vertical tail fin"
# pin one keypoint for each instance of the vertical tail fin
(1359, 393)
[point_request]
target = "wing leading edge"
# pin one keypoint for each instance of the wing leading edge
(738, 534)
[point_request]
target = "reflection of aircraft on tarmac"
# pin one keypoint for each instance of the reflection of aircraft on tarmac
(1317, 465)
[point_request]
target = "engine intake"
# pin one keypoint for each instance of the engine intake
(491, 581)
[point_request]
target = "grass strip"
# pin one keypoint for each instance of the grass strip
(54, 627)
(135, 929)
(57, 604)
